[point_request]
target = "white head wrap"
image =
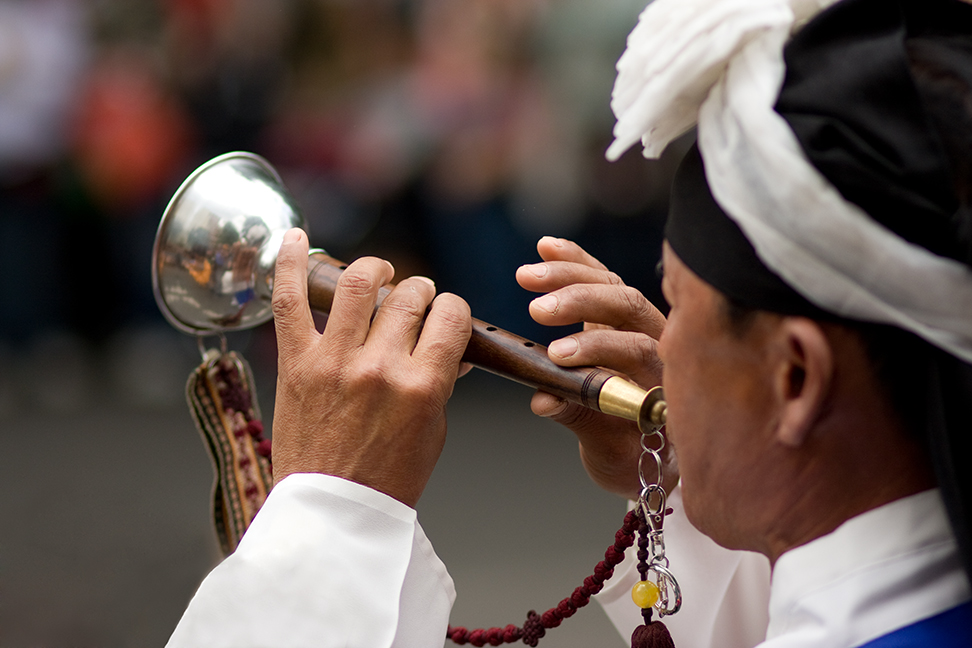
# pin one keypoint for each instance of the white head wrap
(719, 64)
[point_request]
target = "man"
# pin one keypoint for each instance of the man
(818, 266)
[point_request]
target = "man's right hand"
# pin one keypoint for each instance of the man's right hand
(621, 329)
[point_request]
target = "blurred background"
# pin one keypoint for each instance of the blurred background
(444, 135)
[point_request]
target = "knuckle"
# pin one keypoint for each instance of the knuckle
(357, 282)
(637, 306)
(614, 279)
(645, 346)
(574, 417)
(423, 389)
(452, 310)
(286, 300)
(648, 350)
(408, 305)
(372, 371)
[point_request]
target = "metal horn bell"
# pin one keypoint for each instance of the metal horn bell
(217, 244)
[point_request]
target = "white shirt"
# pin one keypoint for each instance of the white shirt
(880, 571)
(328, 562)
(725, 594)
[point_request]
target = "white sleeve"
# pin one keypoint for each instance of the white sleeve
(725, 594)
(326, 562)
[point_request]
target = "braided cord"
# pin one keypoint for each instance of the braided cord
(536, 625)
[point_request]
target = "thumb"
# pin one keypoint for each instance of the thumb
(577, 418)
(291, 310)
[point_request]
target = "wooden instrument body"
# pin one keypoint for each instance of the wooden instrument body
(490, 348)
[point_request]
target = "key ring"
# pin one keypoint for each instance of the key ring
(652, 508)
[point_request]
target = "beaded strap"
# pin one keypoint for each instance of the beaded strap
(537, 625)
(221, 397)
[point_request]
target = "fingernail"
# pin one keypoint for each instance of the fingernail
(539, 270)
(556, 241)
(291, 236)
(564, 347)
(426, 280)
(549, 303)
(556, 409)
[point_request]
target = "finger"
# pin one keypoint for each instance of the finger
(583, 421)
(552, 275)
(354, 300)
(558, 249)
(618, 306)
(400, 315)
(445, 335)
(631, 353)
(291, 312)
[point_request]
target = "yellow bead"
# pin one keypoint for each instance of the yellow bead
(644, 594)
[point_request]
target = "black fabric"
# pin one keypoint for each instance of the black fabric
(713, 246)
(850, 98)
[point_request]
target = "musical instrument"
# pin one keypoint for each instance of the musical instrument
(213, 265)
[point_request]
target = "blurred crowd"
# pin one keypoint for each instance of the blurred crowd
(444, 135)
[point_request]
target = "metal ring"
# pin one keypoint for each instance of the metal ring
(641, 469)
(669, 578)
(201, 345)
(661, 440)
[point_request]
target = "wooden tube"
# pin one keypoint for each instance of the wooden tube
(493, 349)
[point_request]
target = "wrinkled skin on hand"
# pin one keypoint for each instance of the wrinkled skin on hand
(363, 400)
(621, 331)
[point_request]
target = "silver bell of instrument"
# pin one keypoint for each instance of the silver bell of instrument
(216, 247)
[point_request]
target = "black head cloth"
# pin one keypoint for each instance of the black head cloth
(879, 95)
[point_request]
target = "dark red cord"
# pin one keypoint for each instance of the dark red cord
(537, 625)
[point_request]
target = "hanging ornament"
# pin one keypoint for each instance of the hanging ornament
(657, 589)
(223, 402)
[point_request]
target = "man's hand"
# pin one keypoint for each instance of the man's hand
(621, 329)
(364, 400)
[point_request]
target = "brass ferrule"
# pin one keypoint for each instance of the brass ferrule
(621, 398)
(624, 399)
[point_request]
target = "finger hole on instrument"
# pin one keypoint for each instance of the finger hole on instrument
(354, 299)
(559, 249)
(401, 312)
(558, 274)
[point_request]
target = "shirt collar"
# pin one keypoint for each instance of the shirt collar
(880, 571)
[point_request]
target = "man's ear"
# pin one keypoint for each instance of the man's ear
(804, 377)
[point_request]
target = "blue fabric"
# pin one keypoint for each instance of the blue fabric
(950, 629)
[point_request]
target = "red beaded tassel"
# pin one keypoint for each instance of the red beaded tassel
(537, 625)
(653, 634)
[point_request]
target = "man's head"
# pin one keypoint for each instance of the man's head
(826, 237)
(783, 425)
